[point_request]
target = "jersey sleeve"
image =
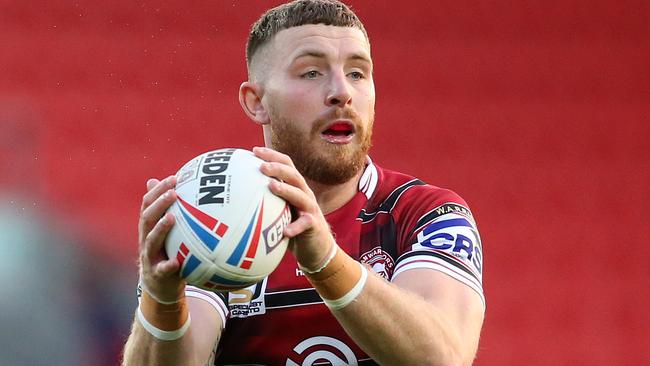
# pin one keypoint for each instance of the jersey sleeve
(216, 299)
(438, 231)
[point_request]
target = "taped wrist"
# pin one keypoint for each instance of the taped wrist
(325, 262)
(164, 321)
(340, 281)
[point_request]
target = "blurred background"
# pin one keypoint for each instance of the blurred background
(536, 112)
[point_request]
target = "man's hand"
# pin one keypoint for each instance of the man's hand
(158, 274)
(311, 238)
(160, 279)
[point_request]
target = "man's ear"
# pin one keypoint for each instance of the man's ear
(250, 98)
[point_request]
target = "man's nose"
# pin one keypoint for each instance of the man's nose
(339, 92)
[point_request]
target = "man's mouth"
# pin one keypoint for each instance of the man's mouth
(339, 132)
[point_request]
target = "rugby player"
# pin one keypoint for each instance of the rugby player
(384, 269)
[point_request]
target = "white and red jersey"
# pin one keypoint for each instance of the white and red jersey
(394, 223)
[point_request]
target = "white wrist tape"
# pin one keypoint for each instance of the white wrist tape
(145, 288)
(346, 299)
(328, 259)
(163, 334)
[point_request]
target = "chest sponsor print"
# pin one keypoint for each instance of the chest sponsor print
(314, 350)
(248, 301)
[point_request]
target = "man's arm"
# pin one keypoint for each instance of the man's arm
(163, 304)
(423, 318)
(193, 348)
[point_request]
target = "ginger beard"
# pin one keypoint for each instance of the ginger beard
(315, 158)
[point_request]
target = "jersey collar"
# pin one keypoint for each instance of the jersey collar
(369, 178)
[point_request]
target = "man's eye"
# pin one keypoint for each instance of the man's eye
(310, 74)
(356, 75)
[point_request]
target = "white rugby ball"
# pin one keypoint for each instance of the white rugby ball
(228, 230)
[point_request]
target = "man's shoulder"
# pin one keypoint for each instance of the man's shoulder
(397, 189)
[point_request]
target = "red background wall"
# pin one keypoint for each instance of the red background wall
(535, 112)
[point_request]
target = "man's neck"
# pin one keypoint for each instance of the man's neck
(332, 197)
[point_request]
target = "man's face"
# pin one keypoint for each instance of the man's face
(320, 96)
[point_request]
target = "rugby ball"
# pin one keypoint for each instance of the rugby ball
(228, 230)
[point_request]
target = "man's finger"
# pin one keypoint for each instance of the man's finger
(156, 190)
(267, 154)
(303, 223)
(155, 240)
(284, 173)
(150, 216)
(167, 267)
(151, 183)
(296, 197)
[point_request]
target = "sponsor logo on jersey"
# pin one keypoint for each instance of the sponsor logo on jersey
(453, 208)
(248, 301)
(322, 350)
(455, 235)
(380, 261)
(444, 209)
